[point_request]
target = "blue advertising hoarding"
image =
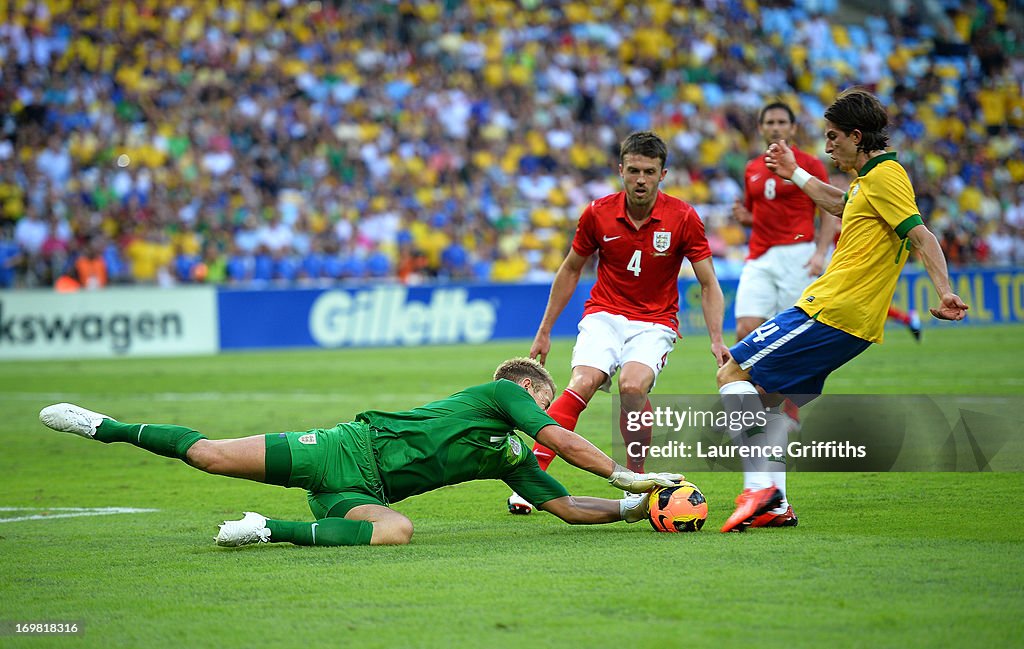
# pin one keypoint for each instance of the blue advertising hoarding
(396, 315)
(387, 315)
(995, 296)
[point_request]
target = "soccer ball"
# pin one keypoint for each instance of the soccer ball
(681, 508)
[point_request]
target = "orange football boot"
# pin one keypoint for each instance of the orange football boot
(751, 504)
(768, 519)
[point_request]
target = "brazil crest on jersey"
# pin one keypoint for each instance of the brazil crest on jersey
(468, 436)
(855, 292)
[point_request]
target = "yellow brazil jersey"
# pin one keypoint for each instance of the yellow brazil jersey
(854, 293)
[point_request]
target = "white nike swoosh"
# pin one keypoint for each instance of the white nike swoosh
(754, 178)
(612, 238)
(313, 528)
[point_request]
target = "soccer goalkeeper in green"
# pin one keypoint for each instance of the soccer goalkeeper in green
(355, 471)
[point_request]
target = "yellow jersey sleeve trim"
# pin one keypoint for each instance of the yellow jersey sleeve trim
(908, 224)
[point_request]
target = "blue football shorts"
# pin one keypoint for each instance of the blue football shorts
(793, 353)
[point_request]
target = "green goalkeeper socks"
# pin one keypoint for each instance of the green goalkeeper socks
(324, 532)
(163, 439)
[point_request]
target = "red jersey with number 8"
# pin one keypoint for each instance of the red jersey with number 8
(638, 268)
(783, 214)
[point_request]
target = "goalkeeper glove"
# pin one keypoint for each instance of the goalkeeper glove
(638, 483)
(634, 510)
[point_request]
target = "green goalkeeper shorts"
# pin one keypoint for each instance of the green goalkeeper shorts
(335, 465)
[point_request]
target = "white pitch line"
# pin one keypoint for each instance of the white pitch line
(69, 512)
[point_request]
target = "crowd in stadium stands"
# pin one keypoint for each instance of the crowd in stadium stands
(249, 142)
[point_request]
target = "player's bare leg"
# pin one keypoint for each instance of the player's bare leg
(585, 382)
(635, 382)
(389, 526)
(245, 457)
(744, 325)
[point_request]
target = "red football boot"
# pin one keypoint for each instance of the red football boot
(768, 519)
(751, 504)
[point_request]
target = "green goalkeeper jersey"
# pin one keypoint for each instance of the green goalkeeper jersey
(468, 436)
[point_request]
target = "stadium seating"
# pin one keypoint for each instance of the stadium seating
(360, 133)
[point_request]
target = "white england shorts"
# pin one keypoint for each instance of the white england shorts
(607, 342)
(774, 281)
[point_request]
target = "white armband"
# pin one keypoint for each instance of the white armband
(800, 177)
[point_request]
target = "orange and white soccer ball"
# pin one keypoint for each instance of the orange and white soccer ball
(680, 508)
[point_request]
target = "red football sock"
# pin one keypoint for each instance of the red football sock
(566, 411)
(791, 409)
(899, 316)
(643, 436)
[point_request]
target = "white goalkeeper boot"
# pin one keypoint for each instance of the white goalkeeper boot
(251, 529)
(518, 505)
(69, 418)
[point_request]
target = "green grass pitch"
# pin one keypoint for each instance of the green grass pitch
(879, 560)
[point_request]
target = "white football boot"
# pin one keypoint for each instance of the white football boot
(69, 418)
(251, 529)
(518, 505)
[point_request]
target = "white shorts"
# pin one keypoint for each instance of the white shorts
(774, 281)
(607, 342)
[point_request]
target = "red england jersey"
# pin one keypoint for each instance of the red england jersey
(638, 269)
(783, 213)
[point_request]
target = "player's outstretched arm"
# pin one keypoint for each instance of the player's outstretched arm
(580, 453)
(562, 288)
(951, 307)
(780, 159)
(576, 450)
(712, 302)
(584, 510)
